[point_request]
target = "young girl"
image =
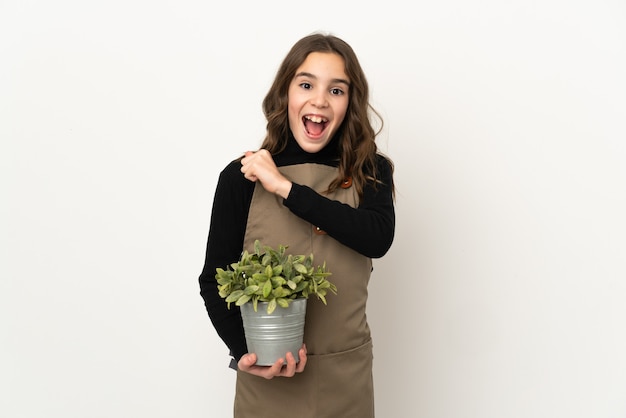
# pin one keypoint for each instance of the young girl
(318, 185)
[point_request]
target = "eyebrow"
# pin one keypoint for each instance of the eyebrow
(333, 81)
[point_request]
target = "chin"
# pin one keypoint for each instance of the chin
(312, 145)
(312, 148)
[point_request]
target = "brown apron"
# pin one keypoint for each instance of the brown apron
(337, 381)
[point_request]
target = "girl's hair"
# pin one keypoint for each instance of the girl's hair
(357, 147)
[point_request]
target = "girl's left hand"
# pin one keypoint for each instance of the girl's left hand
(260, 166)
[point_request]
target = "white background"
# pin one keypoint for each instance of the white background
(503, 294)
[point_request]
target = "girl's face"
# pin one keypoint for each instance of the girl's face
(318, 100)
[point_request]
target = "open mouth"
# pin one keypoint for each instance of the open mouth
(314, 125)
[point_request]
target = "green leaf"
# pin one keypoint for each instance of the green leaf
(287, 269)
(223, 274)
(271, 306)
(267, 288)
(277, 270)
(278, 281)
(250, 290)
(279, 292)
(224, 280)
(300, 268)
(234, 296)
(283, 302)
(242, 300)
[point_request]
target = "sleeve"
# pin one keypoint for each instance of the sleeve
(368, 229)
(231, 204)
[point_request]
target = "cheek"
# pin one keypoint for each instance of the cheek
(292, 106)
(292, 116)
(341, 113)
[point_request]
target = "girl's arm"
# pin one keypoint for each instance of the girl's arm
(367, 229)
(226, 233)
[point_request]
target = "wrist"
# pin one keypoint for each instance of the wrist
(284, 188)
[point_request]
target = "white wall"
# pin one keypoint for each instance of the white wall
(503, 295)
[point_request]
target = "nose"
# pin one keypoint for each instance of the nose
(319, 99)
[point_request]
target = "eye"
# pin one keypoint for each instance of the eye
(306, 86)
(337, 92)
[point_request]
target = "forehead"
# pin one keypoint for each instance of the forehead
(323, 65)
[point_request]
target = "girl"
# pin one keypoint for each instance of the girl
(319, 185)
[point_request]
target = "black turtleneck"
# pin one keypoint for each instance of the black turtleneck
(367, 229)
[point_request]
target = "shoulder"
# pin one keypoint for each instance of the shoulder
(231, 177)
(384, 166)
(232, 171)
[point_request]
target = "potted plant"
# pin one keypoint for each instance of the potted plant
(271, 287)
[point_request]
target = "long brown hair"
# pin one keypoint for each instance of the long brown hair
(357, 146)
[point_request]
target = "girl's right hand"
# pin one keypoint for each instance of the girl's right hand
(247, 364)
(260, 166)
